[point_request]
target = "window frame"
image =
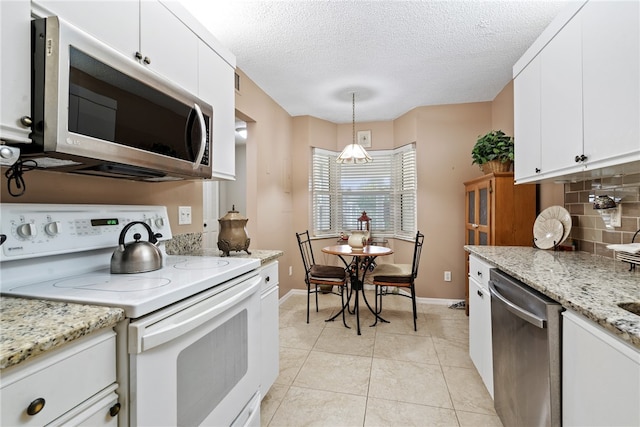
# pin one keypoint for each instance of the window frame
(397, 188)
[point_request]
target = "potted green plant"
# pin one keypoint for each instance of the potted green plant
(493, 152)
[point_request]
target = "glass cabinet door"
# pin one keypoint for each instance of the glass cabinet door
(478, 213)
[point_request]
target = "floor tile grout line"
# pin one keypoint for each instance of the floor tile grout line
(377, 334)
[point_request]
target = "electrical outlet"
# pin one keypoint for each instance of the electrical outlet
(447, 276)
(290, 270)
(184, 215)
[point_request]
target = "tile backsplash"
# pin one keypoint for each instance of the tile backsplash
(588, 231)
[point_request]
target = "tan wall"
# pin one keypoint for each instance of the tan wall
(502, 110)
(381, 134)
(270, 175)
(445, 136)
(53, 187)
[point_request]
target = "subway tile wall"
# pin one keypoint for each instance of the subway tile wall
(588, 230)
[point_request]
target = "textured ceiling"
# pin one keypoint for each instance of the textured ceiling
(309, 56)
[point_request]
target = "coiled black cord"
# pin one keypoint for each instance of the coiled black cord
(14, 175)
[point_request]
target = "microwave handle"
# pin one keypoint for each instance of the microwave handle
(203, 132)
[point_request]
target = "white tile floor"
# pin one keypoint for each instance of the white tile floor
(388, 376)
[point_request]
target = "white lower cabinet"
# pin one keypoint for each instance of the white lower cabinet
(480, 343)
(72, 385)
(270, 345)
(600, 376)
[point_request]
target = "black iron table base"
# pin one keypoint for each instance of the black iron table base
(357, 281)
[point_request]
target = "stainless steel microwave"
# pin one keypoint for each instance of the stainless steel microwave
(97, 112)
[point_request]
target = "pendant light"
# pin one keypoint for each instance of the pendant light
(354, 152)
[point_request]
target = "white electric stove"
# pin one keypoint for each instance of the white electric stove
(141, 293)
(191, 327)
(72, 246)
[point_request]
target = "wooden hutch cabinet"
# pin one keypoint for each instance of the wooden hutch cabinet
(498, 213)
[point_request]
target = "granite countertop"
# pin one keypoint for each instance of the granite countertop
(29, 327)
(588, 284)
(264, 255)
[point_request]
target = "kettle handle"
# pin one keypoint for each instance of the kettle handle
(123, 233)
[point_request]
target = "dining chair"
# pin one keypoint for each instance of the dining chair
(397, 276)
(316, 275)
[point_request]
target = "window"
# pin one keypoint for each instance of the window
(385, 188)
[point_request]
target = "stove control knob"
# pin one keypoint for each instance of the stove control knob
(159, 222)
(53, 228)
(27, 230)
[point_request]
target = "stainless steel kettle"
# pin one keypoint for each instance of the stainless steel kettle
(138, 256)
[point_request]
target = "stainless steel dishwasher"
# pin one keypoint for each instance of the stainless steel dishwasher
(526, 334)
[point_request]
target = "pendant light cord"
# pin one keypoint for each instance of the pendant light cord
(353, 117)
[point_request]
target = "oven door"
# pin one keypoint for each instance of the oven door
(200, 364)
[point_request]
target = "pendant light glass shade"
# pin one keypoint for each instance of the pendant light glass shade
(354, 152)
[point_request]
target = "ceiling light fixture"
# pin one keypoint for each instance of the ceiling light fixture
(354, 152)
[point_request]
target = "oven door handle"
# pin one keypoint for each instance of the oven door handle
(174, 329)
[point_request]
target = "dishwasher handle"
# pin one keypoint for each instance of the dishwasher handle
(517, 310)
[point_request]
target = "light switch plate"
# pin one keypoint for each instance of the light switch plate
(184, 215)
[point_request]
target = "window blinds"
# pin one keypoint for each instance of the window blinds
(385, 189)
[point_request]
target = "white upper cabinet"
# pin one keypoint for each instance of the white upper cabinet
(168, 46)
(15, 81)
(145, 31)
(611, 80)
(97, 18)
(526, 119)
(561, 97)
(216, 86)
(588, 94)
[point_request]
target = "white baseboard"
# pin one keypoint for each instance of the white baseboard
(420, 300)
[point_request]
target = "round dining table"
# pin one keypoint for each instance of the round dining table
(362, 260)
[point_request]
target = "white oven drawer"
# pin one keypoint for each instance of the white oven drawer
(63, 379)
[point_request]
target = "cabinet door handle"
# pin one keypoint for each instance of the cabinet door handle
(147, 60)
(115, 409)
(581, 158)
(479, 273)
(266, 279)
(475, 225)
(138, 56)
(26, 121)
(35, 406)
(537, 170)
(480, 294)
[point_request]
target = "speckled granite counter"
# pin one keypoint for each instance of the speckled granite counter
(263, 255)
(29, 327)
(588, 284)
(191, 244)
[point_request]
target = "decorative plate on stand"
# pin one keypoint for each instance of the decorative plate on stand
(561, 214)
(547, 232)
